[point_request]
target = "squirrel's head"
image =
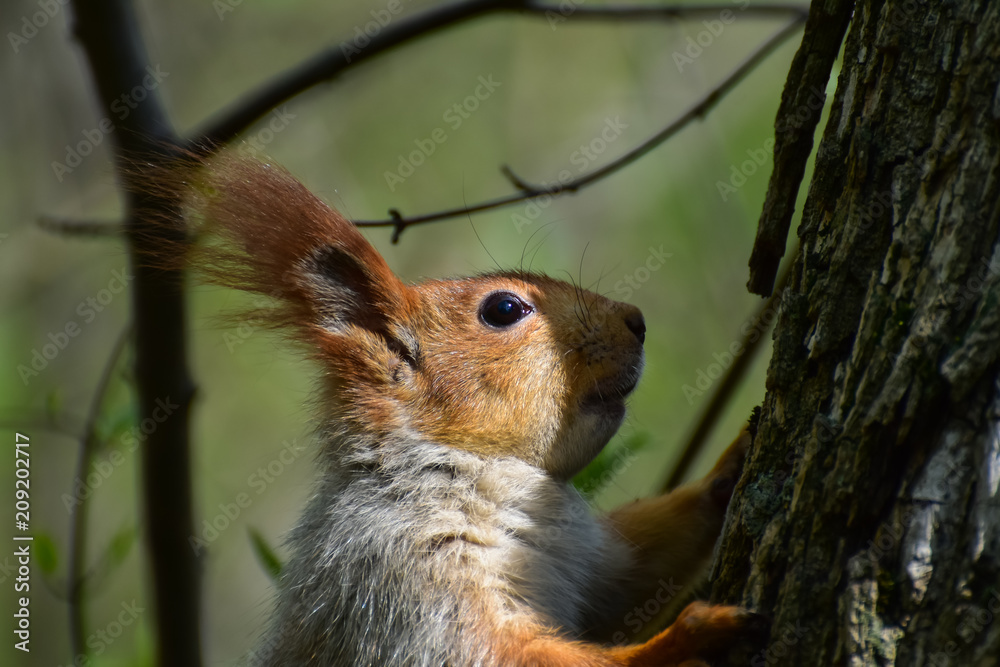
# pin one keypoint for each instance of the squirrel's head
(503, 364)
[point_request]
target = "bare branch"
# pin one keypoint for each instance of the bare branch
(672, 12)
(111, 40)
(27, 418)
(330, 63)
(734, 375)
(528, 191)
(78, 512)
(100, 228)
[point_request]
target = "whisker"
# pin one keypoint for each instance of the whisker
(537, 248)
(528, 243)
(478, 237)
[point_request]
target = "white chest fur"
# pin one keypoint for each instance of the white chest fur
(415, 541)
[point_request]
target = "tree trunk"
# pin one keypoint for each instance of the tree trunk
(867, 523)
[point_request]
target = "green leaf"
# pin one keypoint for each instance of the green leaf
(116, 551)
(114, 422)
(121, 545)
(266, 555)
(612, 460)
(46, 554)
(53, 405)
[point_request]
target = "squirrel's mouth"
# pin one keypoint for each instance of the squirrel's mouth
(610, 394)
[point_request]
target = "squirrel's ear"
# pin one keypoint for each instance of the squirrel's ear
(264, 232)
(354, 287)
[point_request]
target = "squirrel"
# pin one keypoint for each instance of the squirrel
(452, 414)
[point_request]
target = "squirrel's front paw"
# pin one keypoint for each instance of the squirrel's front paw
(720, 634)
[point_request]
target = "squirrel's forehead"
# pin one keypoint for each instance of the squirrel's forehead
(529, 286)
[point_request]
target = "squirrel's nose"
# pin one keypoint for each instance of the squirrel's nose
(637, 325)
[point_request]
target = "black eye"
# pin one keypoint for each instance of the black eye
(503, 309)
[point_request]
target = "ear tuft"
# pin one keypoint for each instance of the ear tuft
(259, 230)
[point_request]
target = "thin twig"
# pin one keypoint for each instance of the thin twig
(45, 422)
(528, 192)
(727, 384)
(101, 228)
(78, 511)
(330, 63)
(673, 13)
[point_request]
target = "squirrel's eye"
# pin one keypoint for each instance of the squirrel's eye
(503, 309)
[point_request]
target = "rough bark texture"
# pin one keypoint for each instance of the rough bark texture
(868, 520)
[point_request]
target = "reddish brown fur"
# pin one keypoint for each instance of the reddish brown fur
(264, 233)
(700, 631)
(692, 510)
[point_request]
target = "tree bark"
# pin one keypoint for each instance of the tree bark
(867, 522)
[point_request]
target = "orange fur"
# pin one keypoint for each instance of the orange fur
(701, 631)
(420, 365)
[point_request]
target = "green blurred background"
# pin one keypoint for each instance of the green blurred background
(560, 83)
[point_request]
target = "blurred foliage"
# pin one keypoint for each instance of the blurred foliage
(45, 554)
(560, 85)
(615, 457)
(266, 554)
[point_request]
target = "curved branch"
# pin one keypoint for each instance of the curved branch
(78, 513)
(734, 374)
(26, 418)
(81, 228)
(627, 13)
(333, 61)
(528, 192)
